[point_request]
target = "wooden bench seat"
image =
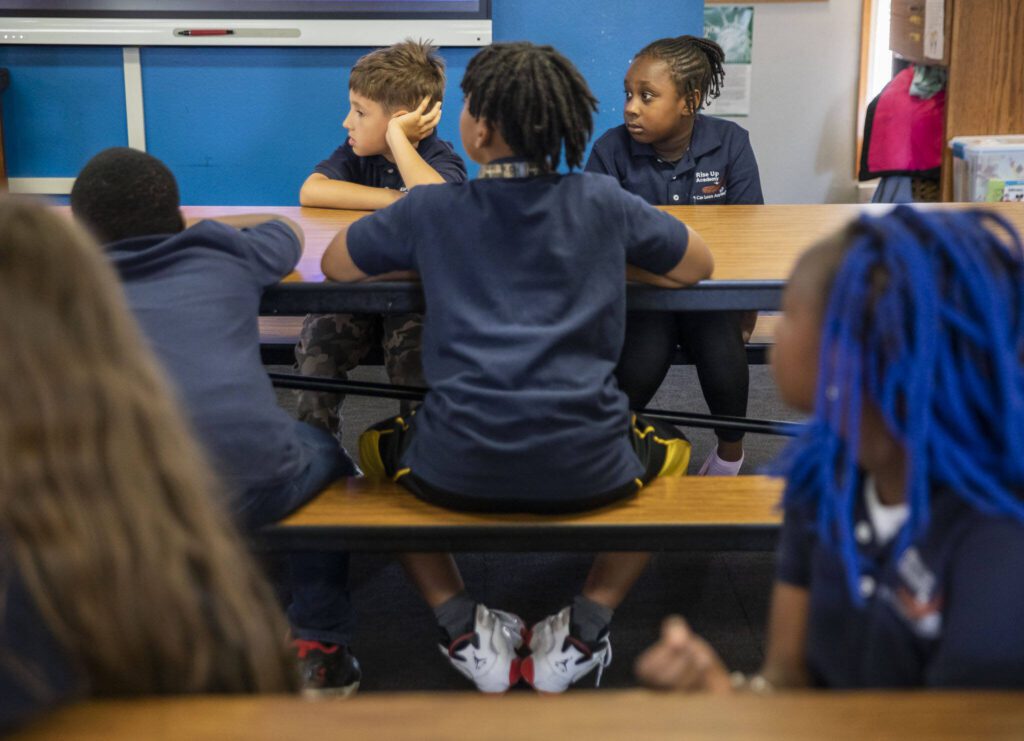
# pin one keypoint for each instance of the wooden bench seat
(674, 514)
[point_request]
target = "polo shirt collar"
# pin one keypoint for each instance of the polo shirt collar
(509, 167)
(705, 138)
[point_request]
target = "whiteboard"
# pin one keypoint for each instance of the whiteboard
(244, 22)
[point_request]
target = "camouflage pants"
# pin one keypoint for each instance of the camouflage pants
(332, 344)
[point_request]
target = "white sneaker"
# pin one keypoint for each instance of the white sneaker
(715, 466)
(487, 656)
(558, 659)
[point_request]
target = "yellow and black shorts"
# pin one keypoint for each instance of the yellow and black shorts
(662, 449)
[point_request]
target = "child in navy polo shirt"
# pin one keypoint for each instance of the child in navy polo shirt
(195, 292)
(524, 273)
(395, 105)
(670, 154)
(902, 550)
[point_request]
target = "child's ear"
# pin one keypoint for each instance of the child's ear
(484, 133)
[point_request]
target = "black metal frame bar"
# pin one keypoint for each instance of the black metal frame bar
(298, 299)
(415, 393)
(283, 353)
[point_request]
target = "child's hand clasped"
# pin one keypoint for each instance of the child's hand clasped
(419, 123)
(682, 660)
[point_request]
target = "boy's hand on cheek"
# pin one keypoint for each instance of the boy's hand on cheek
(417, 124)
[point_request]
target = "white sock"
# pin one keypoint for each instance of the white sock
(715, 466)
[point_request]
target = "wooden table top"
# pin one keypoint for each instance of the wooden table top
(749, 242)
(579, 714)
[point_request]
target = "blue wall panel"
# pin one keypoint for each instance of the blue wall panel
(245, 126)
(64, 105)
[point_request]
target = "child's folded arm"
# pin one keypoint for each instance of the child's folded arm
(320, 191)
(695, 265)
(245, 221)
(337, 265)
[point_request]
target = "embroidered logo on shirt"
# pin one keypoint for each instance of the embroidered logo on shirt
(917, 600)
(711, 185)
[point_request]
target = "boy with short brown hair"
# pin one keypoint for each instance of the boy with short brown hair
(395, 99)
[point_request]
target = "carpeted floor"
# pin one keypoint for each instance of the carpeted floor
(723, 595)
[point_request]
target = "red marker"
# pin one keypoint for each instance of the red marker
(207, 32)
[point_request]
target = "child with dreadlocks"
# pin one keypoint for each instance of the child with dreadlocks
(670, 154)
(525, 280)
(903, 543)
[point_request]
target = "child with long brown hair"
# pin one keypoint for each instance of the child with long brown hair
(119, 575)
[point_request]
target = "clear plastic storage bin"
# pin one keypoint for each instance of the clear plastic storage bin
(988, 168)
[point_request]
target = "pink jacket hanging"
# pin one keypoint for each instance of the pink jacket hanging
(903, 133)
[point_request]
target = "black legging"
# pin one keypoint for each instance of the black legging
(714, 342)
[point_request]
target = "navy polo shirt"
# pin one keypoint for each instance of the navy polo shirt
(718, 168)
(378, 172)
(196, 295)
(947, 612)
(524, 280)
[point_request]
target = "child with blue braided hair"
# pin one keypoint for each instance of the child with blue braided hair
(902, 550)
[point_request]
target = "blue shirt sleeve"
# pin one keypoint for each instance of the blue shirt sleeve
(340, 165)
(982, 642)
(656, 241)
(796, 543)
(744, 184)
(273, 251)
(447, 163)
(383, 241)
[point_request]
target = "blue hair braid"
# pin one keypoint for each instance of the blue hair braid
(925, 318)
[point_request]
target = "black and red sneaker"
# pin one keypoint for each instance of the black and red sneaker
(327, 669)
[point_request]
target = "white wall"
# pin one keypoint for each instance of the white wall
(802, 125)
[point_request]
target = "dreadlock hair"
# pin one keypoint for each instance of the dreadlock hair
(695, 64)
(123, 193)
(536, 99)
(925, 319)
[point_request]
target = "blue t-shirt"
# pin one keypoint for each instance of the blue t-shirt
(196, 295)
(525, 289)
(378, 172)
(718, 168)
(946, 613)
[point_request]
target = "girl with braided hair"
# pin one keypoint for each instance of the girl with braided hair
(524, 273)
(670, 154)
(903, 541)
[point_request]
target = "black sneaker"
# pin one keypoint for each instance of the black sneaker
(327, 669)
